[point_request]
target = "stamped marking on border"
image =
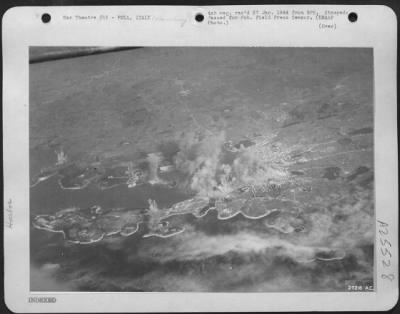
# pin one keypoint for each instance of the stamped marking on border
(9, 217)
(385, 250)
(42, 300)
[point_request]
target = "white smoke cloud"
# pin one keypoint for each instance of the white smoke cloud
(200, 159)
(196, 245)
(154, 161)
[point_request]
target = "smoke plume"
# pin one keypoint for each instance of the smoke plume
(199, 159)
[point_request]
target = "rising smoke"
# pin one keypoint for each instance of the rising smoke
(201, 160)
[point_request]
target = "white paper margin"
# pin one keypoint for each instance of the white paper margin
(22, 27)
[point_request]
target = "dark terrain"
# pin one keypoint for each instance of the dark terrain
(274, 146)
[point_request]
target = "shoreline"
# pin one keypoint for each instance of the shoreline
(163, 217)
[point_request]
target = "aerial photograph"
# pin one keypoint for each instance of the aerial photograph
(201, 169)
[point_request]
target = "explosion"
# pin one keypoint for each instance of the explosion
(200, 159)
(154, 161)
